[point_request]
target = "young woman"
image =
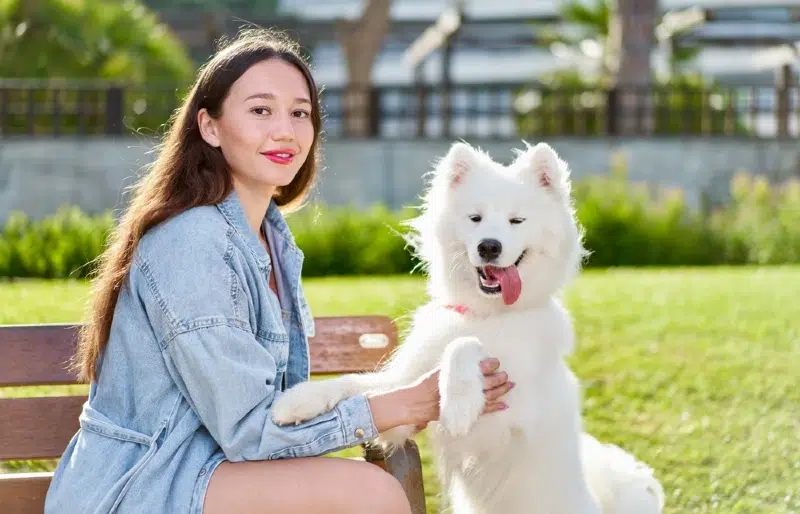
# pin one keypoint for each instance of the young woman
(198, 322)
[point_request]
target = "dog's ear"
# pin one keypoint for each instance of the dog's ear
(457, 163)
(542, 163)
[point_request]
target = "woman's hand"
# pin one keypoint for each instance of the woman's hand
(418, 404)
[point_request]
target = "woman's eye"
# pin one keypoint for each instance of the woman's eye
(476, 218)
(302, 114)
(516, 221)
(260, 111)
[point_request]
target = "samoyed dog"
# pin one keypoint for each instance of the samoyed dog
(499, 244)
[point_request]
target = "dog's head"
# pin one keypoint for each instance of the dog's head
(495, 236)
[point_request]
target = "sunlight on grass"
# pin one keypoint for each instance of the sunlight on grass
(693, 370)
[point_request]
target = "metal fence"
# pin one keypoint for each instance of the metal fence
(58, 109)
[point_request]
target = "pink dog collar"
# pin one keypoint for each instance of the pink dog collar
(459, 308)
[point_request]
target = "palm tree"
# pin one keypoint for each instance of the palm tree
(587, 37)
(606, 44)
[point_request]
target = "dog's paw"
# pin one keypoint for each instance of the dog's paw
(462, 409)
(303, 402)
(461, 386)
(395, 438)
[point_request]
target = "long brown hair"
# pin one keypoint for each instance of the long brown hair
(188, 173)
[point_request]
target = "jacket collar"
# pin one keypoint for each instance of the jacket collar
(292, 263)
(231, 208)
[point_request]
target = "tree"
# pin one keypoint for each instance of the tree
(361, 40)
(592, 46)
(586, 46)
(89, 39)
(630, 43)
(574, 100)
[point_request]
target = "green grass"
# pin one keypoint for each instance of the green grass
(693, 370)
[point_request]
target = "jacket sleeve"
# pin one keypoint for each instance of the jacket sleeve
(228, 378)
(225, 373)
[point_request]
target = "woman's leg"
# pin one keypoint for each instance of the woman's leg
(322, 485)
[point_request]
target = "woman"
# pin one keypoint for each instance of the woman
(198, 322)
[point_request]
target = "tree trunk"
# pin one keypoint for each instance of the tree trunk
(361, 41)
(631, 37)
(784, 82)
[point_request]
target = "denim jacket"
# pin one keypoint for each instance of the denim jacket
(199, 349)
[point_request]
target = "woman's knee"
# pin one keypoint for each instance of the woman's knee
(309, 485)
(382, 492)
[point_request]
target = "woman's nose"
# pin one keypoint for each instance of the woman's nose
(283, 128)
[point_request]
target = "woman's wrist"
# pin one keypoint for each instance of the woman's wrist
(393, 409)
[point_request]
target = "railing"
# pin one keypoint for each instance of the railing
(57, 109)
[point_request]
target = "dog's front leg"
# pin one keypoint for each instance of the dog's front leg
(307, 400)
(461, 385)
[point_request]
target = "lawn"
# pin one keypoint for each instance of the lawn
(694, 370)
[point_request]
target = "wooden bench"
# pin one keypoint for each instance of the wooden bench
(40, 428)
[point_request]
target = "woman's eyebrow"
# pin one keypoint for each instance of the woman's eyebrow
(270, 96)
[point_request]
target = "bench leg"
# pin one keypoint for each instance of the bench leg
(406, 466)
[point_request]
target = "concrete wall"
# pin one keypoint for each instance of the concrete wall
(39, 175)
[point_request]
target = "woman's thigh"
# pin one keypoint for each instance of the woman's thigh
(322, 485)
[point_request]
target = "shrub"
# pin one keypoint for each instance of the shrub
(349, 241)
(60, 246)
(336, 241)
(629, 224)
(762, 221)
(626, 224)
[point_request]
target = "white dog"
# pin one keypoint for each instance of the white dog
(499, 243)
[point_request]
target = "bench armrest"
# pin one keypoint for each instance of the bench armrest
(406, 466)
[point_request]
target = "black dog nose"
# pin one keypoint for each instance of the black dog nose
(489, 249)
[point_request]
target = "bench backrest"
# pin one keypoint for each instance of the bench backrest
(41, 427)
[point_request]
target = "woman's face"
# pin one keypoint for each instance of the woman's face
(265, 129)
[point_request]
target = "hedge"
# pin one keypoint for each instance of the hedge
(626, 224)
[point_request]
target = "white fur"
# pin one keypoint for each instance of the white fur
(534, 457)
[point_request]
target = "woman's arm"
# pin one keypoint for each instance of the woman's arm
(419, 402)
(197, 312)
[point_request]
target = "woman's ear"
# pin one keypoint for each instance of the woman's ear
(208, 128)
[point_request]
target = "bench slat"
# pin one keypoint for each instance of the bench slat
(24, 493)
(344, 344)
(38, 354)
(37, 428)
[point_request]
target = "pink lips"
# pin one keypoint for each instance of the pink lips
(280, 156)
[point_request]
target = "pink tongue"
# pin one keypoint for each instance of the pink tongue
(510, 283)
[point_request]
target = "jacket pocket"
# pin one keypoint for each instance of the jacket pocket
(120, 454)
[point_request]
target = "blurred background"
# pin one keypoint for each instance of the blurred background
(679, 119)
(672, 94)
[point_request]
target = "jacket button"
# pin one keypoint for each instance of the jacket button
(359, 433)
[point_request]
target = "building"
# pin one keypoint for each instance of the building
(501, 46)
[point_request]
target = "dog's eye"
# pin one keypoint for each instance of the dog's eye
(475, 217)
(516, 221)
